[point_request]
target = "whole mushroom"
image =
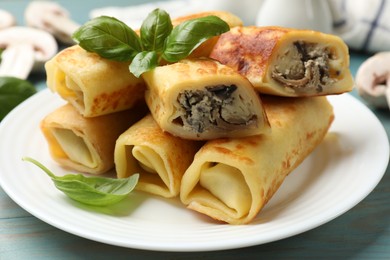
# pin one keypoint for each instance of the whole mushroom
(53, 18)
(6, 19)
(25, 49)
(373, 80)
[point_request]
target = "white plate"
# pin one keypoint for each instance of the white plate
(342, 171)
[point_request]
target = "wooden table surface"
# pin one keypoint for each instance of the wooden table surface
(361, 233)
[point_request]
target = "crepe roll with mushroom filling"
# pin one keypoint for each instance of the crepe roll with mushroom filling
(232, 179)
(287, 62)
(160, 158)
(202, 99)
(86, 144)
(94, 85)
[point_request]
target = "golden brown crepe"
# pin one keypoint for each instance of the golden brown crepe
(94, 85)
(160, 158)
(86, 144)
(232, 179)
(201, 99)
(287, 62)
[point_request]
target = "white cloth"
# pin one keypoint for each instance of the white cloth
(363, 25)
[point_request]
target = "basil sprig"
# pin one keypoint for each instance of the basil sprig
(158, 40)
(96, 191)
(13, 91)
(109, 37)
(188, 35)
(155, 29)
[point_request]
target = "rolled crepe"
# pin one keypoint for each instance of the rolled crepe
(287, 62)
(86, 144)
(231, 180)
(160, 158)
(94, 85)
(202, 99)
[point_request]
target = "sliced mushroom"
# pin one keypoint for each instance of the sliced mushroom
(304, 66)
(53, 18)
(25, 49)
(216, 106)
(373, 80)
(6, 19)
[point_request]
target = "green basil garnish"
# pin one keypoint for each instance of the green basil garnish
(143, 61)
(96, 191)
(1, 53)
(158, 40)
(110, 38)
(13, 91)
(155, 29)
(188, 35)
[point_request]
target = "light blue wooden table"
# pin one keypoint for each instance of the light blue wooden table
(361, 233)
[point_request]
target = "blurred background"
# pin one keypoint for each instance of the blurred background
(363, 25)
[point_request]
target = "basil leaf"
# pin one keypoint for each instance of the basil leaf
(188, 35)
(13, 91)
(96, 191)
(114, 40)
(155, 29)
(108, 37)
(1, 53)
(142, 62)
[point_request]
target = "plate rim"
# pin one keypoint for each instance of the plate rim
(191, 247)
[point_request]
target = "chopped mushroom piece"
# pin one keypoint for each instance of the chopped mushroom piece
(373, 80)
(25, 49)
(305, 65)
(216, 106)
(6, 19)
(53, 18)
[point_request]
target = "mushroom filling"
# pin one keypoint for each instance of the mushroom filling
(214, 107)
(304, 66)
